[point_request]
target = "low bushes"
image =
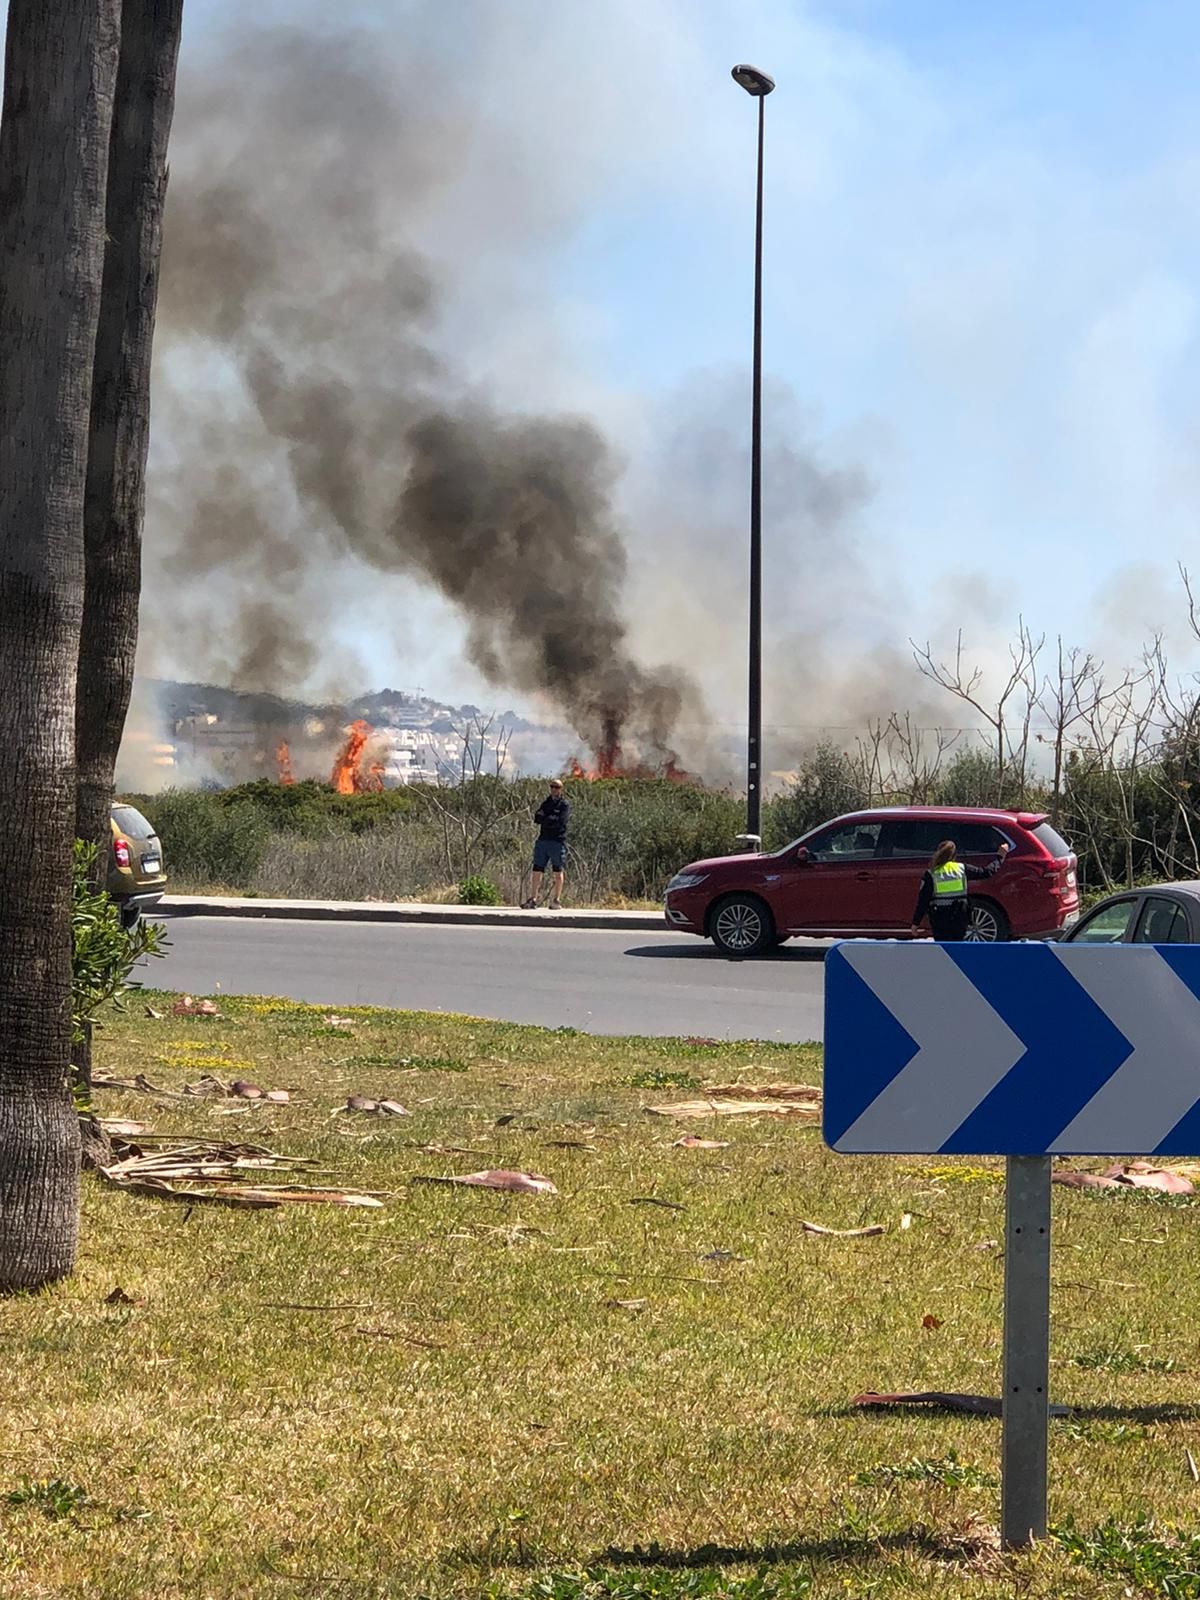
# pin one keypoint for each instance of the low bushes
(303, 841)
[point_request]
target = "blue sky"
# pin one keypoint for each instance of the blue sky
(983, 252)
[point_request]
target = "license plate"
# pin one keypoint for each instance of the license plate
(151, 864)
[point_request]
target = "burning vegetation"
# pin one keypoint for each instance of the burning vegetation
(354, 772)
(610, 763)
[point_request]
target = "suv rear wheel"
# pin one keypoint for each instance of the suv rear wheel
(741, 925)
(987, 924)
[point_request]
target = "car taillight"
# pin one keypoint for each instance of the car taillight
(121, 851)
(1063, 874)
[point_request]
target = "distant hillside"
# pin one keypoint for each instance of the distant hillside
(383, 708)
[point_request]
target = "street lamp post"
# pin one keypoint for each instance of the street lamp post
(759, 85)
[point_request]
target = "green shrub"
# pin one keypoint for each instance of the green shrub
(477, 890)
(103, 953)
(207, 838)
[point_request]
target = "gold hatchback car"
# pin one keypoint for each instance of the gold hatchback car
(136, 879)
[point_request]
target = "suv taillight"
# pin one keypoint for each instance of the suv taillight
(1063, 873)
(121, 851)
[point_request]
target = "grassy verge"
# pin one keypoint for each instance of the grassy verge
(565, 1397)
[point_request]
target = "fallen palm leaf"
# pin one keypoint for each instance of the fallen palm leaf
(448, 1149)
(202, 1171)
(1141, 1175)
(249, 1196)
(1134, 1175)
(748, 1100)
(276, 1194)
(1084, 1180)
(140, 1085)
(499, 1178)
(288, 1305)
(155, 1016)
(394, 1333)
(977, 1405)
(801, 1092)
(691, 1142)
(872, 1232)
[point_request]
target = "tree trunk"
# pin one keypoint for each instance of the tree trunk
(60, 72)
(120, 422)
(120, 416)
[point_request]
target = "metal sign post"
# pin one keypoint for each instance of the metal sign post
(1026, 1051)
(1026, 1400)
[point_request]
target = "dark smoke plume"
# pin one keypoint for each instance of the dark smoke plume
(299, 321)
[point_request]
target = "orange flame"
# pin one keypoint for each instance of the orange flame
(345, 777)
(283, 760)
(610, 764)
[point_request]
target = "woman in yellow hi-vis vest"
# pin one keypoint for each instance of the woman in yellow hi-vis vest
(943, 893)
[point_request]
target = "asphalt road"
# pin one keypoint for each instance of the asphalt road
(599, 981)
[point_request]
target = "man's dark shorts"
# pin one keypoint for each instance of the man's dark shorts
(549, 853)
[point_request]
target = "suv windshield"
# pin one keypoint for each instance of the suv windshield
(1051, 840)
(132, 823)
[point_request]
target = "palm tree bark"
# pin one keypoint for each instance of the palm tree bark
(120, 428)
(120, 417)
(59, 78)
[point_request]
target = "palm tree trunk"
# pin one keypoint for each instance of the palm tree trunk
(60, 71)
(120, 417)
(119, 438)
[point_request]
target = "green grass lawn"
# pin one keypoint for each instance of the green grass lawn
(468, 1393)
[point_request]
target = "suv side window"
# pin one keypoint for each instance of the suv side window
(976, 838)
(859, 841)
(917, 837)
(920, 837)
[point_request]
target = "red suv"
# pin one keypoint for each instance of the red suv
(858, 876)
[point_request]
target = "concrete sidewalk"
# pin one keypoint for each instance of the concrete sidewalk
(407, 911)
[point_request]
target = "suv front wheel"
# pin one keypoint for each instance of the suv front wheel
(741, 925)
(987, 924)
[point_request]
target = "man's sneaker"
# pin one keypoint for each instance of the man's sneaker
(556, 905)
(529, 905)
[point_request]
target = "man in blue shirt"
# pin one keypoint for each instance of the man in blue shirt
(551, 847)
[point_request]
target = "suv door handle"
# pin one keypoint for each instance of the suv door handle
(864, 877)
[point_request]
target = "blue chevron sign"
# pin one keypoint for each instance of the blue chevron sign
(1012, 1049)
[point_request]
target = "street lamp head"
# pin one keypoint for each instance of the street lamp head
(753, 81)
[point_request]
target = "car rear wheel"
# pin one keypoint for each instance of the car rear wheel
(741, 925)
(987, 923)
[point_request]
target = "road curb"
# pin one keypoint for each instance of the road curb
(444, 916)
